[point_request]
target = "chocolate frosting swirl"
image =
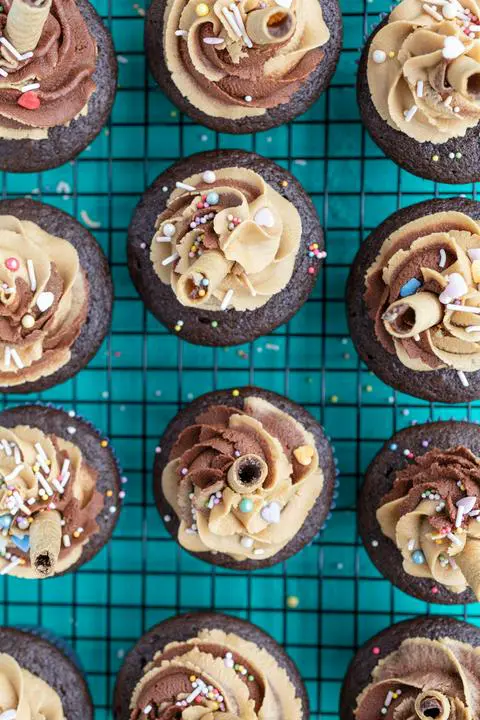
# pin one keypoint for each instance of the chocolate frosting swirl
(420, 289)
(246, 682)
(63, 64)
(229, 241)
(431, 515)
(241, 58)
(424, 679)
(40, 472)
(26, 694)
(424, 69)
(43, 301)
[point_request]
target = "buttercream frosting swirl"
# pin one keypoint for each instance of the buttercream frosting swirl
(424, 69)
(424, 679)
(228, 241)
(431, 515)
(239, 59)
(246, 682)
(422, 293)
(40, 472)
(27, 694)
(43, 301)
(59, 70)
(242, 482)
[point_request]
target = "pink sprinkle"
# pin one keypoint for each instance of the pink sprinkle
(434, 589)
(311, 270)
(376, 650)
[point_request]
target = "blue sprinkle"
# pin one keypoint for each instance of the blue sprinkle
(5, 521)
(418, 557)
(410, 287)
(22, 543)
(212, 198)
(393, 446)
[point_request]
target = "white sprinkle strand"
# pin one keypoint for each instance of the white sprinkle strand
(14, 50)
(184, 186)
(66, 541)
(226, 299)
(463, 378)
(432, 12)
(31, 275)
(8, 568)
(57, 486)
(410, 113)
(44, 484)
(472, 328)
(11, 476)
(443, 258)
(464, 308)
(239, 19)
(8, 715)
(420, 88)
(459, 518)
(388, 699)
(181, 33)
(213, 40)
(170, 259)
(162, 238)
(7, 356)
(16, 359)
(147, 709)
(231, 21)
(32, 86)
(7, 448)
(453, 538)
(4, 74)
(21, 504)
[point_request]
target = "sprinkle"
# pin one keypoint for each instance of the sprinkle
(379, 56)
(32, 86)
(7, 448)
(463, 378)
(467, 504)
(374, 543)
(464, 308)
(376, 650)
(170, 259)
(459, 517)
(41, 452)
(293, 601)
(7, 356)
(232, 22)
(66, 541)
(432, 12)
(64, 474)
(420, 88)
(248, 98)
(14, 50)
(44, 484)
(226, 299)
(388, 699)
(435, 158)
(448, 101)
(57, 486)
(16, 358)
(454, 539)
(94, 224)
(202, 9)
(11, 476)
(443, 258)
(410, 287)
(213, 40)
(3, 73)
(239, 19)
(411, 545)
(147, 709)
(15, 561)
(181, 33)
(184, 186)
(410, 113)
(31, 275)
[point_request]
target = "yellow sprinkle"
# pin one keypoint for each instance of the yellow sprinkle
(435, 158)
(36, 468)
(334, 399)
(104, 443)
(284, 183)
(214, 706)
(178, 328)
(76, 534)
(391, 54)
(369, 388)
(293, 601)
(235, 393)
(201, 293)
(192, 678)
(202, 9)
(109, 493)
(394, 696)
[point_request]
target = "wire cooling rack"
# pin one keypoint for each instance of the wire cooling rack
(142, 375)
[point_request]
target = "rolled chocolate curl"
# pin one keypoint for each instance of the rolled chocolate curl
(463, 74)
(270, 25)
(413, 315)
(469, 563)
(25, 23)
(45, 542)
(431, 704)
(247, 474)
(211, 266)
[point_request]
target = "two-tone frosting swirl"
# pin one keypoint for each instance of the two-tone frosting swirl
(43, 301)
(424, 679)
(424, 69)
(422, 293)
(432, 514)
(25, 696)
(238, 59)
(215, 676)
(226, 239)
(242, 482)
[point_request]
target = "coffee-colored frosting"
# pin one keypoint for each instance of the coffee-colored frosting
(233, 75)
(23, 495)
(424, 679)
(242, 482)
(246, 682)
(424, 70)
(62, 63)
(26, 694)
(241, 248)
(423, 273)
(43, 301)
(431, 515)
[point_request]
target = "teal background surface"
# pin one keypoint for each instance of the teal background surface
(140, 377)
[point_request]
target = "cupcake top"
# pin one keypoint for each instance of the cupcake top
(423, 69)
(242, 482)
(47, 60)
(422, 294)
(48, 502)
(43, 301)
(424, 679)
(226, 239)
(215, 676)
(432, 514)
(24, 696)
(239, 59)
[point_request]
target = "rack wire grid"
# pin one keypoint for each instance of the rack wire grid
(142, 375)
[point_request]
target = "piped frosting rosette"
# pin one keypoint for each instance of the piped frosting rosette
(228, 241)
(24, 696)
(422, 293)
(424, 679)
(242, 482)
(214, 676)
(431, 516)
(48, 503)
(238, 59)
(43, 301)
(424, 69)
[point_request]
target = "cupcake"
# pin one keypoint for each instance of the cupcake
(413, 301)
(58, 76)
(244, 478)
(224, 247)
(208, 666)
(55, 296)
(419, 511)
(38, 678)
(418, 83)
(59, 492)
(417, 670)
(245, 66)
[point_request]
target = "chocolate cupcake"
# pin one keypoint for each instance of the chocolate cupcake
(244, 478)
(417, 670)
(59, 492)
(211, 667)
(58, 77)
(413, 301)
(244, 66)
(224, 247)
(419, 511)
(418, 84)
(55, 296)
(39, 680)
